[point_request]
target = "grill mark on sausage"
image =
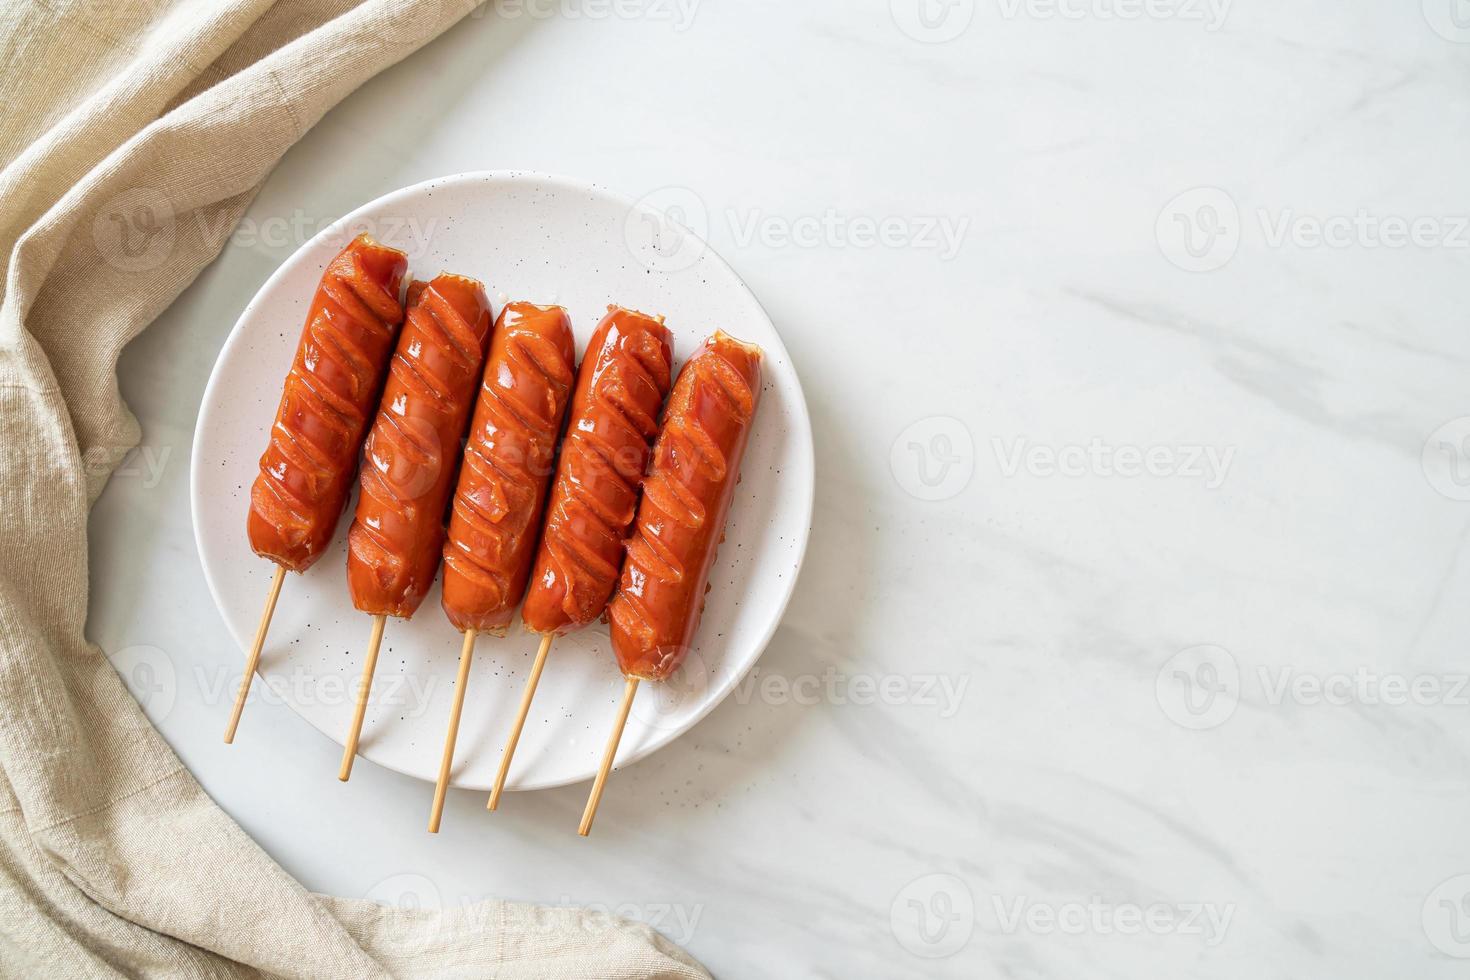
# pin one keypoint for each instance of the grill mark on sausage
(611, 392)
(356, 300)
(528, 350)
(434, 318)
(667, 489)
(713, 404)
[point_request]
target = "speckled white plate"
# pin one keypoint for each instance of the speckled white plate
(548, 240)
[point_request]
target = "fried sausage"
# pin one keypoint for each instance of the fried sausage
(621, 386)
(508, 461)
(411, 453)
(307, 468)
(681, 519)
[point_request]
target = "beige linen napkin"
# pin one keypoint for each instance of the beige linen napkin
(131, 133)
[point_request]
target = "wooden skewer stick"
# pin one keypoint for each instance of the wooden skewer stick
(364, 686)
(520, 722)
(607, 757)
(253, 661)
(466, 654)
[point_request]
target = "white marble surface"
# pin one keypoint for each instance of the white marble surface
(1028, 791)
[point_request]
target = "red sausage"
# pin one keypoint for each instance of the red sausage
(507, 466)
(686, 499)
(621, 386)
(330, 391)
(410, 455)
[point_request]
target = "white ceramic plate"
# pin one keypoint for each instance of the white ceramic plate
(547, 240)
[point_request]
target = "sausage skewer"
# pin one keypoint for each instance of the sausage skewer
(502, 486)
(441, 789)
(397, 534)
(329, 395)
(630, 689)
(681, 520)
(522, 712)
(621, 386)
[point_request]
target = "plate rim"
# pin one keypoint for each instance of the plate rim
(801, 414)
